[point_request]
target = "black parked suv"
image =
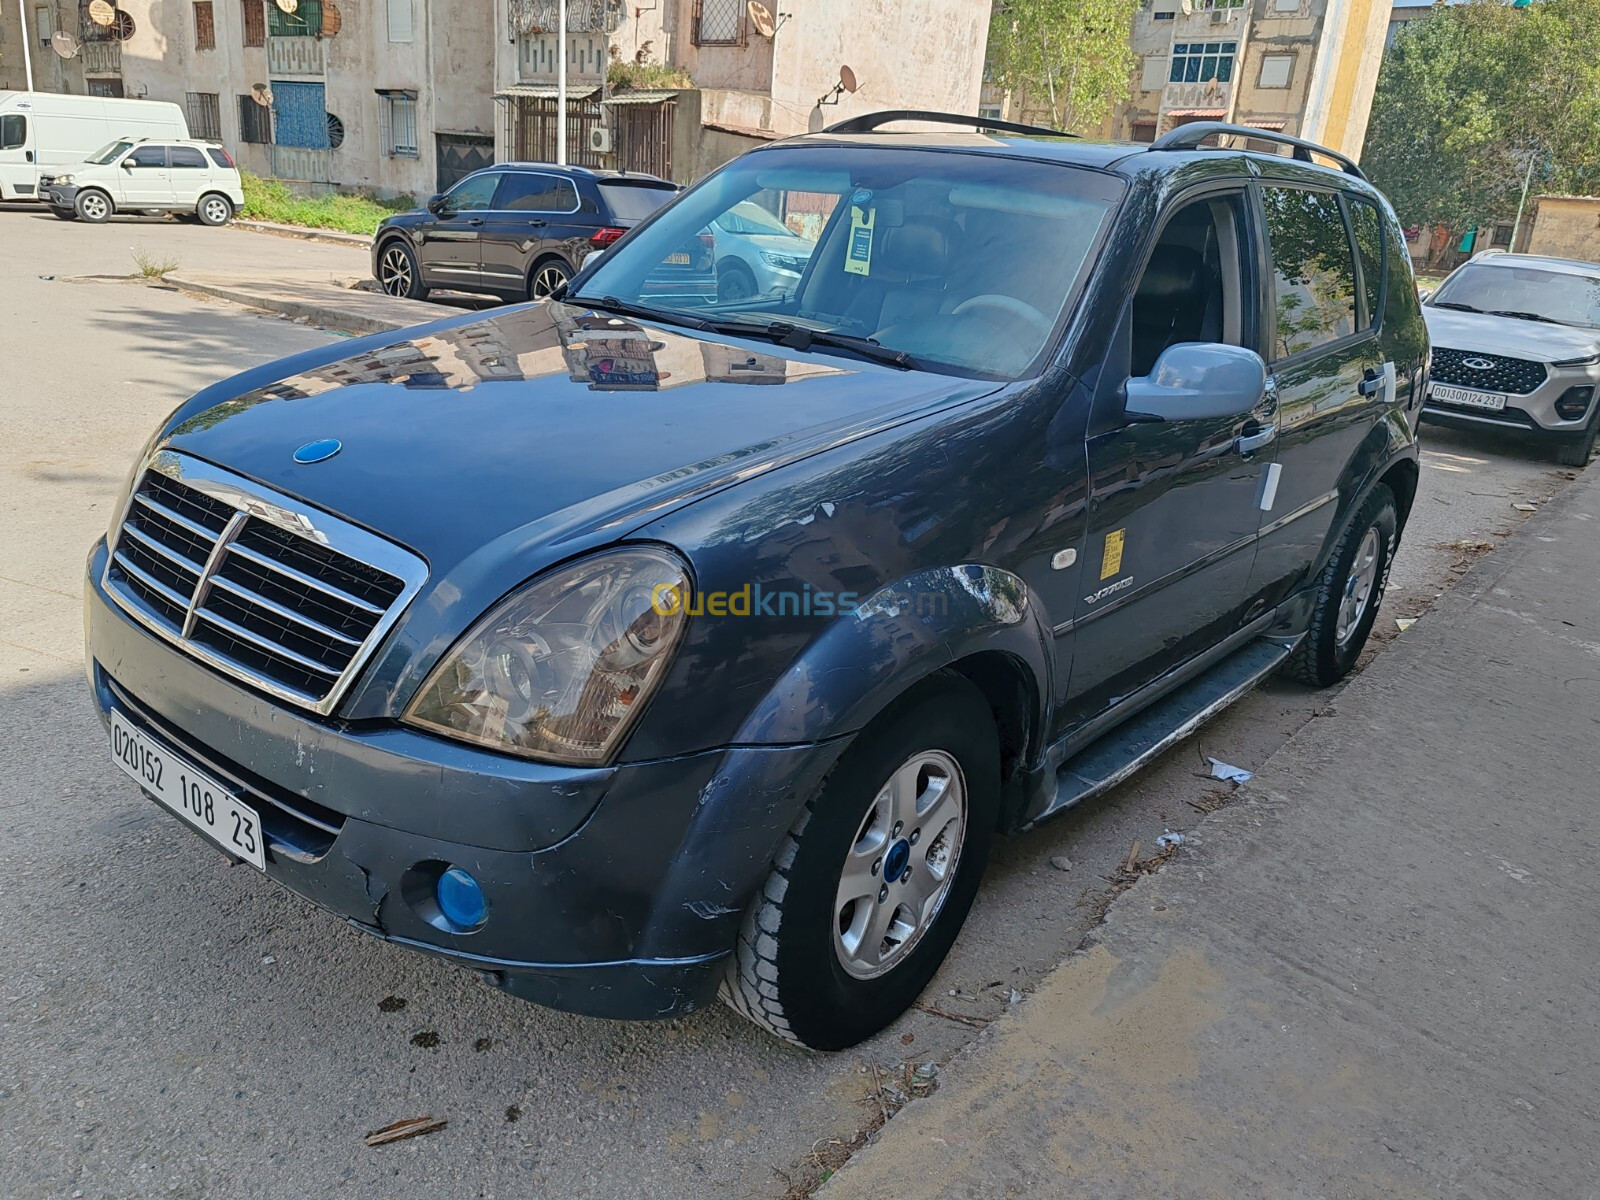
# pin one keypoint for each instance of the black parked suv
(518, 231)
(623, 650)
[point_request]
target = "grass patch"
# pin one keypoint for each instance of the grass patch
(646, 76)
(272, 200)
(151, 267)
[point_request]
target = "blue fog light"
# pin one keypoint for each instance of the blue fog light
(460, 898)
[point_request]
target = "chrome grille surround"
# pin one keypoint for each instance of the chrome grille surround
(254, 584)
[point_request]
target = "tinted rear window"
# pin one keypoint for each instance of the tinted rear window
(187, 156)
(220, 158)
(633, 201)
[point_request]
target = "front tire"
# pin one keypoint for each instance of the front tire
(875, 878)
(397, 273)
(734, 282)
(63, 214)
(1576, 451)
(1349, 591)
(214, 209)
(93, 206)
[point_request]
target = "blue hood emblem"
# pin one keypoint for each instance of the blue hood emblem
(318, 451)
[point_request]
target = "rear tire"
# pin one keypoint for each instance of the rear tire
(546, 276)
(1348, 593)
(214, 209)
(93, 206)
(824, 968)
(1576, 451)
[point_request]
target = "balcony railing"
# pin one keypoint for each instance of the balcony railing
(102, 58)
(295, 56)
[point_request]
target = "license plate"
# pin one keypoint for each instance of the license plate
(1472, 399)
(192, 794)
(678, 260)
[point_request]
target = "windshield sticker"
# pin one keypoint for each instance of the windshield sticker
(858, 261)
(1111, 559)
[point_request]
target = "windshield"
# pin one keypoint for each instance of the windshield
(1539, 294)
(963, 263)
(634, 201)
(109, 151)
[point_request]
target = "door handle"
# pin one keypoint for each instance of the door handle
(28, 154)
(475, 221)
(536, 222)
(1249, 443)
(1371, 382)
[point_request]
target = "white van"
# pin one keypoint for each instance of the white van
(41, 130)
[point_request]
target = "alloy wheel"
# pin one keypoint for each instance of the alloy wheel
(95, 207)
(216, 211)
(545, 280)
(1359, 587)
(394, 272)
(899, 869)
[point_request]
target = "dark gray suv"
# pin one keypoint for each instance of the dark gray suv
(622, 649)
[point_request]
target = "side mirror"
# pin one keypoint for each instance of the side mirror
(590, 259)
(127, 164)
(435, 204)
(1196, 381)
(1423, 294)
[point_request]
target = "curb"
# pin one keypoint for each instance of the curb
(332, 236)
(315, 312)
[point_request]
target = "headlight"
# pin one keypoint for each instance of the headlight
(60, 179)
(1587, 361)
(562, 669)
(783, 262)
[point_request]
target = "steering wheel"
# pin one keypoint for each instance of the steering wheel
(1009, 305)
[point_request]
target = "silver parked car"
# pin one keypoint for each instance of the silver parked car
(757, 254)
(1516, 346)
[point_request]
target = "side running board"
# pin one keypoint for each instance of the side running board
(1123, 750)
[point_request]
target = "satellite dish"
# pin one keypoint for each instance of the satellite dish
(847, 79)
(64, 44)
(332, 19)
(761, 18)
(261, 94)
(287, 6)
(101, 13)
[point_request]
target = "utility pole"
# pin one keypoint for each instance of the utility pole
(561, 85)
(1527, 180)
(27, 35)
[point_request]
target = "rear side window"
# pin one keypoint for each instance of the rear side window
(1315, 278)
(220, 157)
(632, 201)
(149, 156)
(13, 131)
(188, 157)
(1368, 227)
(526, 191)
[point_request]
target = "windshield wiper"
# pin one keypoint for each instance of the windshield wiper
(644, 312)
(802, 338)
(1456, 305)
(1523, 316)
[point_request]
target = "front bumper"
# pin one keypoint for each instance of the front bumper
(613, 892)
(59, 195)
(1531, 414)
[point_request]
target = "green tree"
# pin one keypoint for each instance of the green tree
(1070, 61)
(1472, 96)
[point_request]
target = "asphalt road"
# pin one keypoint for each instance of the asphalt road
(176, 1027)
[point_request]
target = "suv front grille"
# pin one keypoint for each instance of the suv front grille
(1515, 376)
(289, 600)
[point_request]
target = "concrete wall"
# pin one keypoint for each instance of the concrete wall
(51, 72)
(1567, 227)
(447, 63)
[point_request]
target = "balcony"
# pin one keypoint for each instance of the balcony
(102, 58)
(295, 56)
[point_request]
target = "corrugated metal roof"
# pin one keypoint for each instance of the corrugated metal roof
(641, 97)
(1197, 112)
(543, 91)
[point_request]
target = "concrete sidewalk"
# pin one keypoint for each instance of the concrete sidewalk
(1373, 975)
(332, 301)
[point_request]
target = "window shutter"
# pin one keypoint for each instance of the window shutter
(400, 20)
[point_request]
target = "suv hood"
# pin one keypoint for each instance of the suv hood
(1509, 336)
(551, 426)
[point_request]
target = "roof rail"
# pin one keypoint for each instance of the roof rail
(1189, 137)
(873, 121)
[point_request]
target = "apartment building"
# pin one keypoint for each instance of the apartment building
(758, 72)
(390, 95)
(1303, 67)
(26, 32)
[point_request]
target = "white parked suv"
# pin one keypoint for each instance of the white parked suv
(190, 178)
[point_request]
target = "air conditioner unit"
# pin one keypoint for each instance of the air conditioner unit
(1219, 16)
(600, 140)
